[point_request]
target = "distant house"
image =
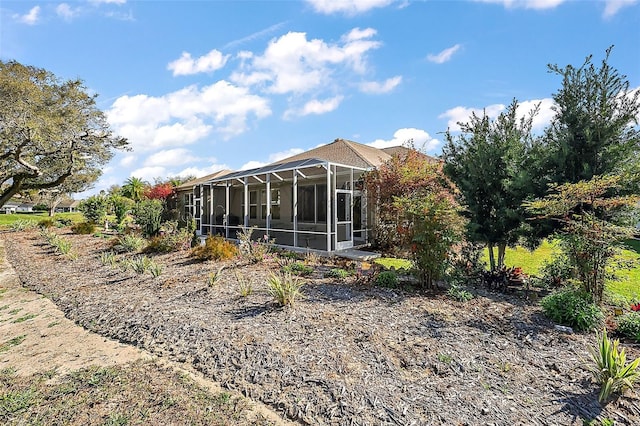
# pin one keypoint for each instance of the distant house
(314, 200)
(10, 207)
(25, 208)
(67, 206)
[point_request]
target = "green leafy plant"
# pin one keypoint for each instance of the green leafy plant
(148, 214)
(215, 248)
(140, 264)
(94, 208)
(572, 307)
(155, 269)
(456, 292)
(610, 368)
(629, 325)
(298, 268)
(338, 273)
(286, 288)
(387, 279)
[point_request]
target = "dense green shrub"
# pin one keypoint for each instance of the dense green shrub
(458, 293)
(148, 214)
(387, 279)
(83, 228)
(215, 248)
(94, 208)
(554, 273)
(572, 307)
(629, 325)
(297, 268)
(121, 207)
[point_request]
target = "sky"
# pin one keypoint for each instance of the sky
(199, 86)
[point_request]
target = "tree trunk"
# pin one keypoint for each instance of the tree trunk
(502, 248)
(492, 259)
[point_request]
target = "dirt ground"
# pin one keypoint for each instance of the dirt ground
(345, 354)
(44, 340)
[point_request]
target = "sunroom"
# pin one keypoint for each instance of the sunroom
(307, 204)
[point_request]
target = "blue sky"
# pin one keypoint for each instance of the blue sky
(204, 85)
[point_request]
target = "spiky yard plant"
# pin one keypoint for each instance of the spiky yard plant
(286, 288)
(244, 284)
(610, 368)
(214, 277)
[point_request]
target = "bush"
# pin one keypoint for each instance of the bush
(166, 243)
(285, 288)
(338, 273)
(45, 223)
(94, 208)
(255, 251)
(629, 325)
(459, 293)
(574, 308)
(610, 368)
(297, 268)
(83, 228)
(215, 248)
(387, 279)
(554, 273)
(148, 214)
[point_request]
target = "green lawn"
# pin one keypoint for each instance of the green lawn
(7, 219)
(530, 262)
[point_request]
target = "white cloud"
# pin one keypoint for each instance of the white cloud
(149, 173)
(376, 88)
(66, 12)
(186, 65)
(348, 7)
(421, 140)
(316, 107)
(170, 157)
(202, 171)
(293, 64)
(613, 6)
(526, 4)
(128, 160)
(277, 156)
(108, 1)
(463, 114)
(185, 116)
(445, 55)
(30, 18)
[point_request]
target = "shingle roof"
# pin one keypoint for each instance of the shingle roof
(190, 184)
(345, 152)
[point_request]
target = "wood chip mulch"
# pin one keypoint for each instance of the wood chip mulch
(344, 354)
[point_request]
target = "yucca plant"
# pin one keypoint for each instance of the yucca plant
(610, 368)
(214, 277)
(286, 288)
(141, 264)
(108, 258)
(155, 269)
(244, 285)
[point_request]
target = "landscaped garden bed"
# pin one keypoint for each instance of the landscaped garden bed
(344, 353)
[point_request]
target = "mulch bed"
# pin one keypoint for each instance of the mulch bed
(345, 354)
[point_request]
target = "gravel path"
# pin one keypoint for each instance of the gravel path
(346, 354)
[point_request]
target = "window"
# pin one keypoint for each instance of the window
(275, 204)
(312, 203)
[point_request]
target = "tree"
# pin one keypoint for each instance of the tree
(133, 188)
(50, 130)
(159, 191)
(488, 163)
(74, 183)
(417, 211)
(148, 214)
(94, 208)
(594, 131)
(593, 226)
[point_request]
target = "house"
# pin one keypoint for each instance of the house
(313, 200)
(10, 207)
(67, 206)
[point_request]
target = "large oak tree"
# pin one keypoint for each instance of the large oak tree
(50, 130)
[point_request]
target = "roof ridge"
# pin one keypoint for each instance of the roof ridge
(353, 148)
